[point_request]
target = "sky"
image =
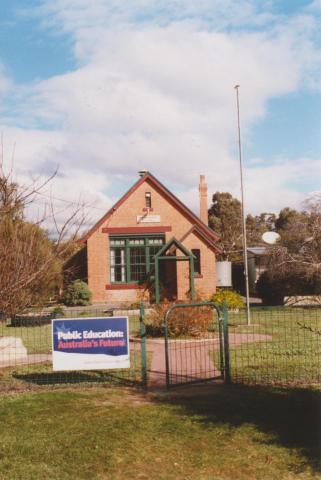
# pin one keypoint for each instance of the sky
(100, 90)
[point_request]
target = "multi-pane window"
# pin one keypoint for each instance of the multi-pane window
(118, 261)
(132, 258)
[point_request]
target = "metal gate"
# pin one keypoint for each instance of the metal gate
(195, 343)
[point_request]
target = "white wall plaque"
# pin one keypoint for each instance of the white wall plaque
(148, 218)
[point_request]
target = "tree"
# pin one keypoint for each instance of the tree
(30, 262)
(225, 217)
(30, 268)
(257, 225)
(294, 266)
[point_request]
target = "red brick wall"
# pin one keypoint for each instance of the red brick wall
(126, 216)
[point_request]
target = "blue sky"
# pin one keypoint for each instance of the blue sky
(29, 51)
(106, 89)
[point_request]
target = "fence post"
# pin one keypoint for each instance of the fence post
(221, 336)
(165, 325)
(227, 372)
(143, 344)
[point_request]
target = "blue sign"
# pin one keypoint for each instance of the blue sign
(90, 343)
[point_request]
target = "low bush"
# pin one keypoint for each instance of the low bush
(135, 305)
(58, 312)
(272, 286)
(77, 294)
(271, 290)
(187, 321)
(230, 298)
(31, 319)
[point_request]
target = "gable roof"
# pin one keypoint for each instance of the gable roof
(209, 241)
(148, 177)
(174, 242)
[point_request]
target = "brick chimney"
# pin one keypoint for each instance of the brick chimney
(203, 200)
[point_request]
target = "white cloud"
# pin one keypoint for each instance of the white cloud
(159, 95)
(271, 187)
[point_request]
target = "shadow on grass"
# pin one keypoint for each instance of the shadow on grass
(48, 378)
(290, 416)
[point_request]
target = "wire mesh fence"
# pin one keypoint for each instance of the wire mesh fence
(281, 346)
(26, 349)
(192, 333)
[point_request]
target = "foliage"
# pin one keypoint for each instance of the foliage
(30, 270)
(11, 199)
(31, 320)
(230, 298)
(272, 287)
(135, 305)
(58, 312)
(31, 262)
(187, 321)
(270, 290)
(257, 225)
(225, 218)
(77, 293)
(295, 261)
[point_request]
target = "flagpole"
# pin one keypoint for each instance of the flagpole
(246, 270)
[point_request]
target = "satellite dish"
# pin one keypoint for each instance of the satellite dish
(270, 237)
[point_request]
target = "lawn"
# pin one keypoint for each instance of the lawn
(288, 352)
(201, 433)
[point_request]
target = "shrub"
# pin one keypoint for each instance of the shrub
(187, 321)
(31, 319)
(77, 294)
(272, 287)
(270, 290)
(230, 298)
(58, 312)
(135, 305)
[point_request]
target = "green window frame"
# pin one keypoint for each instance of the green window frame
(197, 261)
(132, 257)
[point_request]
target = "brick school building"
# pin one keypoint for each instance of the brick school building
(150, 244)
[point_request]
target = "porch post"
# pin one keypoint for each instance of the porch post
(191, 277)
(157, 292)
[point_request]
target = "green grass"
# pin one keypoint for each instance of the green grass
(290, 354)
(36, 339)
(216, 433)
(20, 377)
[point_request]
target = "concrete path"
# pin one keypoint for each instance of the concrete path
(190, 360)
(30, 360)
